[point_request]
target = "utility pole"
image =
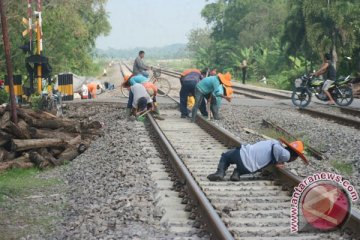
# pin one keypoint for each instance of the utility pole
(8, 62)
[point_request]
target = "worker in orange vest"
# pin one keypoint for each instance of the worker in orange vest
(92, 88)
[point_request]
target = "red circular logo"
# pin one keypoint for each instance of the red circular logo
(325, 206)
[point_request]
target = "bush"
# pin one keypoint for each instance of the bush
(285, 80)
(35, 101)
(4, 96)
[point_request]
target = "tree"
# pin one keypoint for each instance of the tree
(70, 29)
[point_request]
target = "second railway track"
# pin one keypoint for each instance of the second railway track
(346, 115)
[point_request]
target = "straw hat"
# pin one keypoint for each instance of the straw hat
(228, 91)
(297, 147)
(225, 79)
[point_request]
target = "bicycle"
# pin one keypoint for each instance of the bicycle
(161, 83)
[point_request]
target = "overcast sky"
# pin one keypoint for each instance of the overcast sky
(151, 23)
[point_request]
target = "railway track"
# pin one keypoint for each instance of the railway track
(351, 117)
(257, 207)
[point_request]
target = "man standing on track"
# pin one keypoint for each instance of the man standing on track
(244, 70)
(208, 86)
(188, 80)
(250, 158)
(139, 65)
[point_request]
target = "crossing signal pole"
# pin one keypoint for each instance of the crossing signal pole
(8, 62)
(39, 43)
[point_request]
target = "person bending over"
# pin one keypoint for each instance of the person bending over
(251, 158)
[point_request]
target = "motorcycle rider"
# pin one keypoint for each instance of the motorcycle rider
(329, 72)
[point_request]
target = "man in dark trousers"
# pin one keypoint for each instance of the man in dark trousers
(188, 80)
(250, 158)
(329, 73)
(139, 65)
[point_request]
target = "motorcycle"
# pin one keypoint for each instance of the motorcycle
(307, 85)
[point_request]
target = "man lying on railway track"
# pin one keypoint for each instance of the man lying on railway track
(207, 86)
(251, 158)
(188, 80)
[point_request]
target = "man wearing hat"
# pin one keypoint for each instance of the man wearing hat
(92, 88)
(188, 80)
(208, 86)
(215, 99)
(130, 80)
(250, 158)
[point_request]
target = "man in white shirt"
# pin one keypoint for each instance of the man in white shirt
(141, 100)
(250, 158)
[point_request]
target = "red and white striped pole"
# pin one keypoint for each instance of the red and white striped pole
(29, 12)
(38, 9)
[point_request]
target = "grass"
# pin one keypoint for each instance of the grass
(176, 64)
(342, 167)
(19, 182)
(270, 132)
(24, 203)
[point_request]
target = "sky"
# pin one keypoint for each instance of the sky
(150, 23)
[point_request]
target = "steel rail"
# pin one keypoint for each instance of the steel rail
(350, 111)
(260, 92)
(337, 118)
(318, 155)
(213, 222)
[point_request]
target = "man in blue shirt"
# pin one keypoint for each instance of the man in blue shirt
(250, 158)
(216, 99)
(208, 86)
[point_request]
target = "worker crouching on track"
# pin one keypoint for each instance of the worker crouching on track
(250, 158)
(150, 89)
(207, 86)
(139, 100)
(215, 99)
(92, 88)
(188, 80)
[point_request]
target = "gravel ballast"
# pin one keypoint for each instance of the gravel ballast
(337, 142)
(108, 191)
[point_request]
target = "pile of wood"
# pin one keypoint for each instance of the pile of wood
(41, 139)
